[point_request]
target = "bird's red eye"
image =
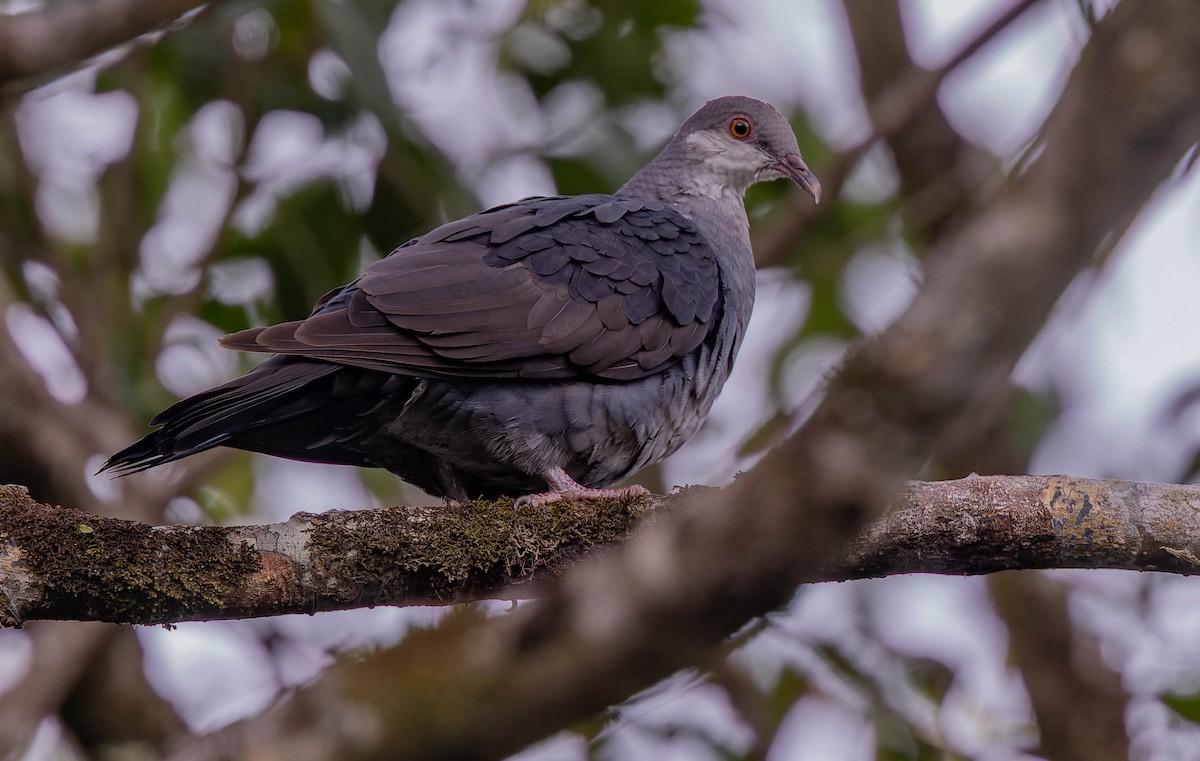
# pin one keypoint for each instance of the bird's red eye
(739, 127)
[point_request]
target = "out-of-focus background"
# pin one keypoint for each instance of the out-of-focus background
(227, 171)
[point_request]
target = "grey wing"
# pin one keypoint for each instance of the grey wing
(598, 286)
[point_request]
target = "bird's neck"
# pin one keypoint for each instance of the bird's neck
(676, 172)
(720, 217)
(723, 223)
(717, 208)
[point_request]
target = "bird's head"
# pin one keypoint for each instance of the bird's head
(733, 142)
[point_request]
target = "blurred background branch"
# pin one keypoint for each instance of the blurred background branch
(1077, 697)
(903, 109)
(42, 43)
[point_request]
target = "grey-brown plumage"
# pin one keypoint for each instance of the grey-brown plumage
(555, 344)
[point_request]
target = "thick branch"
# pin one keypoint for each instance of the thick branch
(982, 524)
(58, 563)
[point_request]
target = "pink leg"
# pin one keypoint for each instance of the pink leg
(563, 487)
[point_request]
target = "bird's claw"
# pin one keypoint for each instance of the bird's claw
(577, 495)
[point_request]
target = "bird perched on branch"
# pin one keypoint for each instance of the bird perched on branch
(546, 348)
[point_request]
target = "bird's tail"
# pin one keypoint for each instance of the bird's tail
(275, 409)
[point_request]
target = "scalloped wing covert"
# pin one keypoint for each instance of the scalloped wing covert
(561, 287)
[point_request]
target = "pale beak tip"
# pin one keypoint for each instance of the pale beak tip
(795, 168)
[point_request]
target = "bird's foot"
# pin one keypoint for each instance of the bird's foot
(565, 488)
(582, 493)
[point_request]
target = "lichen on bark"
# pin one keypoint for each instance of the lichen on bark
(91, 567)
(447, 553)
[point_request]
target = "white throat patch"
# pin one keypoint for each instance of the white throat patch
(727, 168)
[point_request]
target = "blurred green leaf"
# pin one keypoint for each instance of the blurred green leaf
(789, 687)
(382, 485)
(894, 740)
(931, 677)
(227, 493)
(1185, 706)
(311, 244)
(577, 176)
(1030, 415)
(18, 217)
(612, 44)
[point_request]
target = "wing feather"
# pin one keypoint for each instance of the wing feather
(595, 286)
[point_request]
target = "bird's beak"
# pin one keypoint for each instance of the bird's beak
(794, 167)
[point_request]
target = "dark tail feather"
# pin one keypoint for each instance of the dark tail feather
(170, 442)
(148, 451)
(276, 409)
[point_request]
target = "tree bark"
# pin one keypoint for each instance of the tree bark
(57, 563)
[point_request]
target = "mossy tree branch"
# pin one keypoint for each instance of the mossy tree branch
(58, 563)
(61, 563)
